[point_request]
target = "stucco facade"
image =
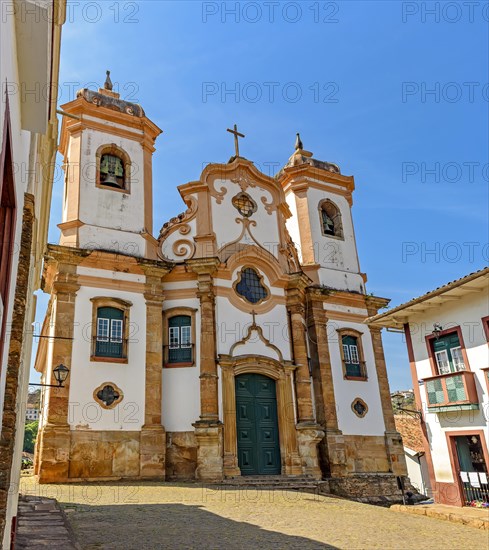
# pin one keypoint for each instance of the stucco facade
(28, 136)
(260, 311)
(453, 405)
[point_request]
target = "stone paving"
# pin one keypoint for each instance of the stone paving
(42, 524)
(474, 517)
(151, 515)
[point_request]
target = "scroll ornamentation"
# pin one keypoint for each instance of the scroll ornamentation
(183, 247)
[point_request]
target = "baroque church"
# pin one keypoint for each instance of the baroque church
(231, 343)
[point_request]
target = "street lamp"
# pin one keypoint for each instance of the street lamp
(398, 399)
(60, 373)
(437, 330)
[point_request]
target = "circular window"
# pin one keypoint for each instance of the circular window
(359, 407)
(244, 204)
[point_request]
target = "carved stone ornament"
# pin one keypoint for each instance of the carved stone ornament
(183, 247)
(113, 103)
(359, 407)
(244, 204)
(108, 395)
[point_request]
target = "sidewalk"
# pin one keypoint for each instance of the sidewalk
(472, 517)
(42, 524)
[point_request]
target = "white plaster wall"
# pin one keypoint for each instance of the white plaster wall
(22, 142)
(104, 209)
(233, 325)
(417, 471)
(466, 313)
(333, 253)
(181, 386)
(123, 242)
(48, 368)
(347, 390)
(85, 375)
(113, 275)
(224, 218)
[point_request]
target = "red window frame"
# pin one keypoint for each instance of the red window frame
(7, 220)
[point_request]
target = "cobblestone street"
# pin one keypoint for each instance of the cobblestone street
(143, 516)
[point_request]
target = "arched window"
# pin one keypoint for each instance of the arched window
(331, 225)
(113, 168)
(250, 286)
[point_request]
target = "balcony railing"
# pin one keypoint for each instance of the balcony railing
(109, 349)
(181, 356)
(453, 390)
(355, 371)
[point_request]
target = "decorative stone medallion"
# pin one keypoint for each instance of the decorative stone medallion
(359, 407)
(108, 395)
(244, 204)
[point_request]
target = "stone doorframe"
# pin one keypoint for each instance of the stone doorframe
(282, 373)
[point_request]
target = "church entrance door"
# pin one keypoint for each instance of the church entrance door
(257, 425)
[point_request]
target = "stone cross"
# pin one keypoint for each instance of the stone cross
(236, 134)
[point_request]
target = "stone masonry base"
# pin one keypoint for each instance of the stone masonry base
(373, 488)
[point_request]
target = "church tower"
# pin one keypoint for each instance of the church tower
(320, 198)
(104, 317)
(107, 144)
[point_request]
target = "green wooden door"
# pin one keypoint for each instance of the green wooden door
(257, 426)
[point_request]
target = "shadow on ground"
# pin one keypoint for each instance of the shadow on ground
(155, 526)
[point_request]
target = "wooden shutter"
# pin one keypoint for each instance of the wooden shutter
(179, 339)
(110, 332)
(352, 359)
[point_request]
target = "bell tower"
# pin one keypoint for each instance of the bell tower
(107, 144)
(321, 226)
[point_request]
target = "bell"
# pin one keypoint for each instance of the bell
(111, 167)
(110, 179)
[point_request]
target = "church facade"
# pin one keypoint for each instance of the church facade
(233, 343)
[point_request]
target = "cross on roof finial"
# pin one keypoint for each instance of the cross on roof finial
(236, 134)
(108, 82)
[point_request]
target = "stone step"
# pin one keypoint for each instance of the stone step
(272, 482)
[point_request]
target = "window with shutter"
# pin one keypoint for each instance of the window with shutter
(180, 339)
(351, 356)
(448, 354)
(110, 330)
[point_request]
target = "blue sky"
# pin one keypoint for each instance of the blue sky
(395, 93)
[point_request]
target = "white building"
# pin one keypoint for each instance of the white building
(31, 413)
(417, 465)
(30, 36)
(447, 335)
(215, 349)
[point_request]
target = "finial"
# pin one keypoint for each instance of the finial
(298, 142)
(108, 82)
